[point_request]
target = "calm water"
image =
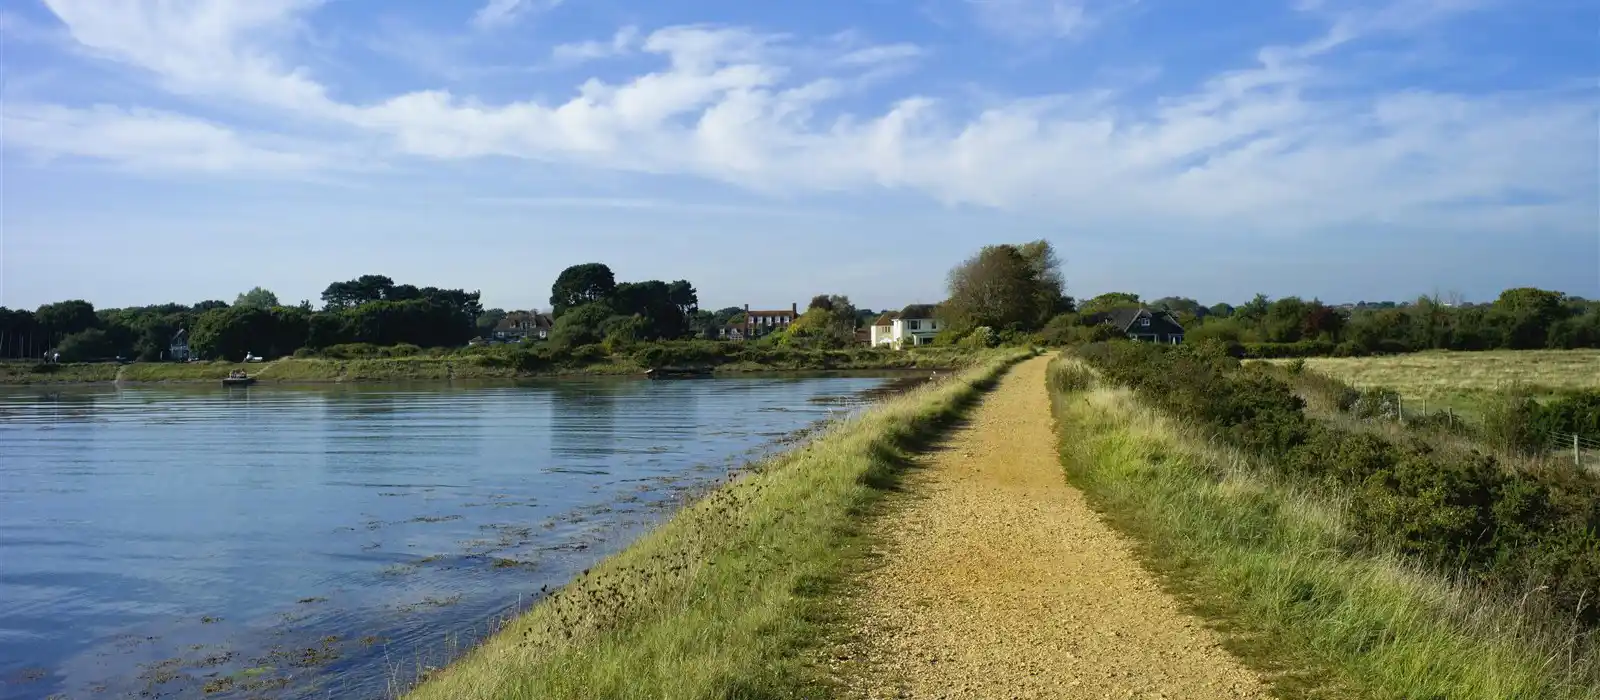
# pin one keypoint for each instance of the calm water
(327, 542)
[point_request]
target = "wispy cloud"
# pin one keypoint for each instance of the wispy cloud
(500, 13)
(148, 139)
(1029, 20)
(1258, 145)
(622, 43)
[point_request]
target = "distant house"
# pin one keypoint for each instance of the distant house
(178, 349)
(755, 324)
(518, 325)
(1142, 324)
(913, 325)
(883, 329)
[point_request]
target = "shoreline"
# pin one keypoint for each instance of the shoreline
(718, 599)
(290, 371)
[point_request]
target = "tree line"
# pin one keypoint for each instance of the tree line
(1006, 293)
(369, 309)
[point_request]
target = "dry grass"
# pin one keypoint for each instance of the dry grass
(1461, 380)
(1268, 560)
(724, 599)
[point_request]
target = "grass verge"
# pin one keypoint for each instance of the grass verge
(1266, 560)
(471, 367)
(729, 597)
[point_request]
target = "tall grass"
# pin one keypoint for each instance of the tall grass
(1270, 562)
(726, 598)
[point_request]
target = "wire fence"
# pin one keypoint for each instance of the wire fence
(1582, 451)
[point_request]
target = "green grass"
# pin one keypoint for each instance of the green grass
(1267, 562)
(729, 597)
(462, 367)
(1463, 380)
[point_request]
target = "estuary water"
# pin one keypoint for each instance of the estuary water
(332, 541)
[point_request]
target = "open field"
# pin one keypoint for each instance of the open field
(1268, 560)
(1460, 380)
(723, 599)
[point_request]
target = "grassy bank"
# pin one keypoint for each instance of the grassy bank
(491, 365)
(725, 599)
(1273, 563)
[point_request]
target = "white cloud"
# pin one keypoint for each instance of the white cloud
(621, 44)
(499, 13)
(147, 139)
(1034, 19)
(1257, 147)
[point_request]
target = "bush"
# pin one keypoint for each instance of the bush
(400, 350)
(1304, 348)
(351, 351)
(980, 338)
(1456, 510)
(304, 354)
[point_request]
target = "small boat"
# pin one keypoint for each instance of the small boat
(238, 378)
(678, 372)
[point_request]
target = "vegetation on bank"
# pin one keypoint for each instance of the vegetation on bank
(499, 362)
(724, 599)
(1398, 566)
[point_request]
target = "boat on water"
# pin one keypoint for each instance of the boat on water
(678, 372)
(238, 378)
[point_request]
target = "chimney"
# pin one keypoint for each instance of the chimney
(794, 308)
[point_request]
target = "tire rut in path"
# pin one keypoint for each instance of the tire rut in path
(997, 580)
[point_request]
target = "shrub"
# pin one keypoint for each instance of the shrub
(304, 353)
(1453, 509)
(351, 351)
(400, 350)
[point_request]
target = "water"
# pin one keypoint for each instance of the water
(329, 542)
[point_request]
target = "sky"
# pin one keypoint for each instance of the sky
(181, 150)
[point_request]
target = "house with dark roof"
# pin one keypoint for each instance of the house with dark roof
(908, 327)
(518, 325)
(1141, 324)
(178, 349)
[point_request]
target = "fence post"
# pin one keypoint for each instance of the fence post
(1577, 458)
(1400, 408)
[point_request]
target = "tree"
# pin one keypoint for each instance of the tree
(1525, 315)
(257, 297)
(829, 322)
(361, 290)
(66, 317)
(581, 325)
(1050, 287)
(85, 346)
(1255, 310)
(581, 284)
(208, 305)
(684, 295)
(1110, 301)
(1220, 310)
(996, 288)
(652, 302)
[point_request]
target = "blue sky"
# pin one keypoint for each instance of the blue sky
(171, 150)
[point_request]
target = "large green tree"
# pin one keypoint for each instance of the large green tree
(1110, 301)
(66, 317)
(998, 287)
(257, 297)
(581, 284)
(361, 290)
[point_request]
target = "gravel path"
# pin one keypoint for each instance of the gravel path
(998, 581)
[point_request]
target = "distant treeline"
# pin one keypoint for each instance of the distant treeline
(370, 309)
(1520, 319)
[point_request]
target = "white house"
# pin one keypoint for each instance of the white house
(915, 325)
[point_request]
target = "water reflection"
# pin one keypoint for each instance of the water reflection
(157, 539)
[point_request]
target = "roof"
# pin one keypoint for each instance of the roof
(887, 318)
(182, 334)
(1124, 319)
(512, 319)
(777, 312)
(917, 311)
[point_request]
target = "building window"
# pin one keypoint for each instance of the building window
(914, 325)
(1144, 322)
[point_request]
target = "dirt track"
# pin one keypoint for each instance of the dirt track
(999, 581)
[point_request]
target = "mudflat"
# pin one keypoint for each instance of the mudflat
(997, 580)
